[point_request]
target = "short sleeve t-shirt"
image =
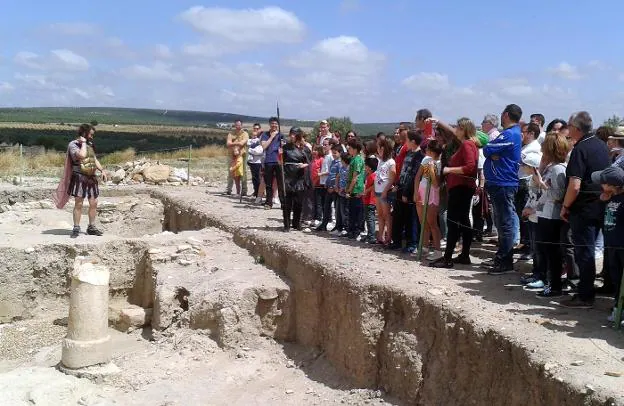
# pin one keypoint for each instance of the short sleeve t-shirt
(356, 168)
(614, 222)
(382, 174)
(590, 154)
(271, 153)
(369, 199)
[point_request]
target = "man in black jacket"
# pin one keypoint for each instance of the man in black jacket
(404, 216)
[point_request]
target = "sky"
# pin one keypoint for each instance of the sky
(372, 60)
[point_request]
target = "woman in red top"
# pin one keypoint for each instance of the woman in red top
(461, 175)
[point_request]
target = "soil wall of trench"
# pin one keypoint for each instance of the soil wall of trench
(383, 337)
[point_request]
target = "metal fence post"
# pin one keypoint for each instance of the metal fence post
(21, 150)
(188, 167)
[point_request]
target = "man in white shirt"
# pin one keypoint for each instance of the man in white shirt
(540, 120)
(489, 125)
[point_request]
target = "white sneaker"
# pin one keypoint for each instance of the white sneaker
(344, 233)
(258, 200)
(276, 201)
(316, 223)
(307, 230)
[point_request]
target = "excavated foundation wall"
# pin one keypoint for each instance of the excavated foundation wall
(382, 337)
(29, 277)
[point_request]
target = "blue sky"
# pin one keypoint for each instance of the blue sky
(371, 60)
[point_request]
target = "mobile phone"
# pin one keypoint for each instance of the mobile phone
(428, 129)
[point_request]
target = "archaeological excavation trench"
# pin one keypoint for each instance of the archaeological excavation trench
(204, 272)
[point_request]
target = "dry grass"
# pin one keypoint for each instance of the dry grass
(203, 160)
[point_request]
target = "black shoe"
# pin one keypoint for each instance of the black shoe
(286, 229)
(491, 263)
(441, 263)
(548, 293)
(393, 247)
(577, 303)
(92, 230)
(75, 232)
(462, 260)
(501, 269)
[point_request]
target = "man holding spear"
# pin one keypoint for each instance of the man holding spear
(272, 144)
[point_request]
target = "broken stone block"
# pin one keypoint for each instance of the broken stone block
(131, 317)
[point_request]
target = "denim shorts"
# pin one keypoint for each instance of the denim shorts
(381, 199)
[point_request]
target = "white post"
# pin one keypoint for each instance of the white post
(87, 342)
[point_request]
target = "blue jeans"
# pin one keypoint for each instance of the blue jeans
(371, 216)
(584, 234)
(356, 215)
(503, 198)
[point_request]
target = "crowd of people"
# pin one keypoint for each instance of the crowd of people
(551, 194)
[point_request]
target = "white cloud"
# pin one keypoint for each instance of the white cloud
(566, 71)
(28, 59)
(70, 60)
(427, 81)
(257, 26)
(57, 60)
(156, 71)
(6, 87)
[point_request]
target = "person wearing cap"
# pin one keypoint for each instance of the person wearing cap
(612, 183)
(616, 147)
(297, 159)
(531, 152)
(582, 207)
(271, 142)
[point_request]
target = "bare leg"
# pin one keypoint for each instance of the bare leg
(432, 220)
(92, 211)
(78, 211)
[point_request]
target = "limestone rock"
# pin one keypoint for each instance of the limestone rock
(157, 173)
(118, 176)
(137, 177)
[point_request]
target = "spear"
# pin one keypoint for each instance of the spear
(281, 160)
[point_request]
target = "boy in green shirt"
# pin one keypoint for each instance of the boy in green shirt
(355, 188)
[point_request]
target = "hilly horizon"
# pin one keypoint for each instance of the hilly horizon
(139, 116)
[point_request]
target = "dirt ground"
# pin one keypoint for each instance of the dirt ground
(577, 348)
(181, 365)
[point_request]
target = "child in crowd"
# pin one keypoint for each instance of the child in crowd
(236, 167)
(342, 202)
(333, 169)
(355, 188)
(547, 192)
(612, 181)
(384, 179)
(255, 159)
(369, 200)
(318, 156)
(429, 172)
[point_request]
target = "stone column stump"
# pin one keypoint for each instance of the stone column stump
(88, 341)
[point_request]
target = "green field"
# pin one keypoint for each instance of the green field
(113, 115)
(141, 129)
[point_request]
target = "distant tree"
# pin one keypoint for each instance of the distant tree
(342, 124)
(614, 121)
(94, 123)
